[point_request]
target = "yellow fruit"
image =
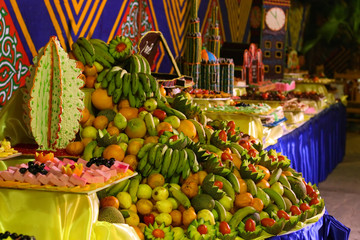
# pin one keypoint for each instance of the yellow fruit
(136, 128)
(133, 219)
(75, 148)
(134, 147)
(89, 122)
(201, 175)
(156, 180)
(90, 81)
(139, 232)
(129, 112)
(85, 141)
(144, 206)
(123, 103)
(114, 151)
(101, 100)
(85, 114)
(90, 71)
(113, 130)
(100, 122)
(131, 160)
(188, 128)
(152, 139)
(133, 208)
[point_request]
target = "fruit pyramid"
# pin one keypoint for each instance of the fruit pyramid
(195, 176)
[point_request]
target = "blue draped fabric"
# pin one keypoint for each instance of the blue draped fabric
(316, 147)
(326, 228)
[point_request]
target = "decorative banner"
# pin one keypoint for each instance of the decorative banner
(13, 59)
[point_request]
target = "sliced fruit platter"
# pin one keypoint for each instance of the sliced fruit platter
(6, 151)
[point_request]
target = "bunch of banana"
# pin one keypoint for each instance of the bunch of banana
(137, 63)
(171, 163)
(84, 51)
(102, 54)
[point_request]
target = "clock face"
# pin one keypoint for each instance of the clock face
(255, 17)
(275, 18)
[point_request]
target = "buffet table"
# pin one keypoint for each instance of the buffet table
(316, 147)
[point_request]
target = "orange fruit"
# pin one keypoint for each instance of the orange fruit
(257, 204)
(188, 216)
(176, 216)
(123, 103)
(109, 201)
(188, 128)
(79, 64)
(236, 160)
(243, 186)
(263, 184)
(139, 232)
(162, 91)
(101, 100)
(201, 175)
(100, 122)
(82, 77)
(85, 114)
(134, 147)
(136, 128)
(164, 126)
(287, 173)
(264, 170)
(90, 81)
(89, 122)
(152, 139)
(85, 141)
(144, 206)
(90, 71)
(243, 200)
(131, 160)
(112, 130)
(129, 112)
(156, 180)
(114, 151)
(75, 148)
(111, 124)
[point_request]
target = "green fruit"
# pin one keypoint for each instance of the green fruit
(160, 193)
(278, 187)
(120, 47)
(144, 191)
(120, 121)
(150, 104)
(89, 132)
(123, 138)
(164, 206)
(163, 218)
(173, 120)
(108, 113)
(207, 215)
(202, 201)
(125, 200)
(111, 215)
(227, 202)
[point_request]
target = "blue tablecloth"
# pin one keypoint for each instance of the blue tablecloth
(316, 147)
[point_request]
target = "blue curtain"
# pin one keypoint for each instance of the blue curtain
(318, 146)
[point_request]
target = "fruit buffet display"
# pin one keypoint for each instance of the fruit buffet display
(197, 178)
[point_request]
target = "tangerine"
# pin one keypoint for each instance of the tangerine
(176, 216)
(85, 114)
(100, 122)
(152, 139)
(109, 201)
(263, 184)
(101, 100)
(114, 151)
(80, 65)
(258, 204)
(131, 160)
(123, 103)
(112, 130)
(155, 180)
(164, 126)
(188, 128)
(139, 232)
(243, 185)
(134, 147)
(264, 170)
(188, 216)
(162, 91)
(75, 148)
(89, 122)
(129, 112)
(243, 200)
(90, 81)
(90, 71)
(85, 141)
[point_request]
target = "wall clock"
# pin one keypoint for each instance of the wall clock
(255, 17)
(275, 18)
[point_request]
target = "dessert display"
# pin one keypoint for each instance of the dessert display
(241, 107)
(284, 85)
(311, 95)
(253, 94)
(6, 151)
(204, 93)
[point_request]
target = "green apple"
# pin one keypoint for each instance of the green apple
(125, 200)
(163, 218)
(144, 191)
(278, 187)
(178, 233)
(89, 132)
(156, 120)
(207, 215)
(174, 202)
(173, 120)
(227, 202)
(142, 114)
(123, 137)
(120, 121)
(160, 193)
(124, 146)
(150, 104)
(164, 206)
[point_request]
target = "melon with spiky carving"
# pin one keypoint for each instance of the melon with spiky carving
(201, 230)
(53, 97)
(184, 105)
(155, 231)
(120, 48)
(252, 173)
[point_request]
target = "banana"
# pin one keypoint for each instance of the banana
(111, 87)
(239, 215)
(147, 169)
(126, 82)
(174, 163)
(118, 80)
(236, 146)
(117, 95)
(150, 124)
(276, 197)
(275, 175)
(203, 119)
(153, 83)
(160, 156)
(263, 196)
(132, 100)
(290, 195)
(194, 164)
(175, 178)
(145, 81)
(83, 42)
(104, 54)
(99, 43)
(102, 61)
(221, 211)
(284, 181)
(145, 149)
(183, 158)
(140, 62)
(251, 186)
(234, 182)
(78, 53)
(141, 94)
(143, 161)
(227, 187)
(119, 187)
(179, 196)
(89, 150)
(133, 187)
(173, 111)
(152, 153)
(147, 68)
(134, 83)
(166, 161)
(200, 131)
(89, 59)
(186, 171)
(102, 75)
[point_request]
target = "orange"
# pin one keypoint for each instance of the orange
(85, 141)
(90, 81)
(264, 170)
(162, 91)
(114, 151)
(82, 77)
(243, 186)
(144, 206)
(100, 122)
(112, 130)
(188, 128)
(263, 184)
(136, 128)
(257, 204)
(188, 216)
(111, 124)
(287, 173)
(101, 100)
(123, 103)
(134, 147)
(80, 65)
(89, 122)
(164, 126)
(85, 114)
(201, 175)
(236, 160)
(176, 216)
(129, 112)
(152, 139)
(131, 160)
(109, 201)
(156, 180)
(139, 232)
(75, 148)
(90, 71)
(243, 200)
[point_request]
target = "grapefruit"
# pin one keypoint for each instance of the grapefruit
(135, 128)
